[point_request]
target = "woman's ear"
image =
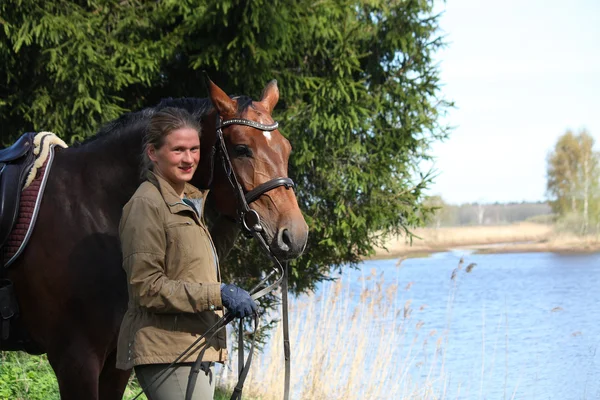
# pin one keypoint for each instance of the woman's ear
(151, 152)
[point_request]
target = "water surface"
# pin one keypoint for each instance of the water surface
(522, 325)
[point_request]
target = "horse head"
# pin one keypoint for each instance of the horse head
(259, 155)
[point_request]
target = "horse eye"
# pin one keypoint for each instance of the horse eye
(241, 150)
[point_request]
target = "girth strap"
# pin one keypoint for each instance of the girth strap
(8, 306)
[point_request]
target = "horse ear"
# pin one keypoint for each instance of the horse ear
(270, 96)
(223, 103)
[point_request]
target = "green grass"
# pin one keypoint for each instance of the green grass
(27, 377)
(221, 394)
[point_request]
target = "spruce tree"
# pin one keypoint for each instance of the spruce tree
(360, 95)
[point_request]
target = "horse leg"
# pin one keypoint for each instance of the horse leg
(77, 369)
(113, 381)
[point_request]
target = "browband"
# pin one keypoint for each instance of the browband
(257, 125)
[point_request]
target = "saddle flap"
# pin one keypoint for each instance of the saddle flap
(10, 191)
(8, 303)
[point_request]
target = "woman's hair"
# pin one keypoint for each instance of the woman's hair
(162, 123)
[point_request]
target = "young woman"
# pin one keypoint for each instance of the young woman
(174, 283)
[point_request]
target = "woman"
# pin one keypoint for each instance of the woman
(172, 267)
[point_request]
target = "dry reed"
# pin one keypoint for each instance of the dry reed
(338, 351)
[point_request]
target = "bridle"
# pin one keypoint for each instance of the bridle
(250, 221)
(248, 218)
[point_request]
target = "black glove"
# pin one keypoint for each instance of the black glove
(237, 301)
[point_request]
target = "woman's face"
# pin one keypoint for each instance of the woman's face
(177, 159)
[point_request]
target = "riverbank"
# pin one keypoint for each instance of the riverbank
(515, 238)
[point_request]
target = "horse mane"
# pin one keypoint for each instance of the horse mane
(136, 120)
(200, 107)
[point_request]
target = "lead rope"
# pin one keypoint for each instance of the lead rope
(286, 331)
(240, 356)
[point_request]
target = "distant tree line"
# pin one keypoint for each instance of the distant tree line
(573, 182)
(572, 187)
(486, 214)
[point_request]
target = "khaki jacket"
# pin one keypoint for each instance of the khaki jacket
(173, 277)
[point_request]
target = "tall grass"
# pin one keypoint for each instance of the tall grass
(338, 353)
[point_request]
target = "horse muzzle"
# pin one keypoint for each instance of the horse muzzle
(289, 242)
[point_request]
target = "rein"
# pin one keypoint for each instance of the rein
(251, 223)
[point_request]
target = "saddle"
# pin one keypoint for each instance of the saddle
(15, 163)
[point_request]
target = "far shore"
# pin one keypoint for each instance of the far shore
(515, 238)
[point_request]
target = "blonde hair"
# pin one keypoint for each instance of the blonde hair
(162, 123)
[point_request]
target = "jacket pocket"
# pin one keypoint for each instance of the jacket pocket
(180, 245)
(178, 224)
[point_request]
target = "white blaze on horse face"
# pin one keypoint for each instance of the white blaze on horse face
(267, 135)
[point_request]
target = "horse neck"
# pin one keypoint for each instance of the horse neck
(109, 167)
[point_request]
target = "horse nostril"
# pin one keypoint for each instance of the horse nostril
(285, 235)
(284, 240)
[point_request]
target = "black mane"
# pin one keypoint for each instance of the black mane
(134, 121)
(196, 107)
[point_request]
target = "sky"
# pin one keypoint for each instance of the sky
(520, 72)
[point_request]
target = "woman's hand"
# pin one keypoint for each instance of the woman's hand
(237, 301)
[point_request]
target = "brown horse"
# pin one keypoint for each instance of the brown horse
(69, 283)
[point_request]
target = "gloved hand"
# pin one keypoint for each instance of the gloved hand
(237, 301)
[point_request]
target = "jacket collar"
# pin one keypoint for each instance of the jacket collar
(172, 199)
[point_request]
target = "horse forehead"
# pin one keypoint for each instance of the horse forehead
(272, 140)
(256, 112)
